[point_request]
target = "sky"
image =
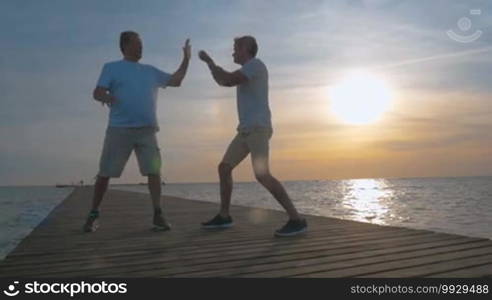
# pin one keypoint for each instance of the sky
(439, 121)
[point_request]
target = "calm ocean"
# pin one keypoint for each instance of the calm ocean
(22, 209)
(461, 205)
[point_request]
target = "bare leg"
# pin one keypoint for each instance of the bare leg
(279, 193)
(100, 188)
(154, 182)
(225, 175)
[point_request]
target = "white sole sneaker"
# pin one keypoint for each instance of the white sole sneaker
(291, 233)
(228, 225)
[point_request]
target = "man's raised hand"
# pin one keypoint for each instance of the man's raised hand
(187, 49)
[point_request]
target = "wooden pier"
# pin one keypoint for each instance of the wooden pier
(125, 245)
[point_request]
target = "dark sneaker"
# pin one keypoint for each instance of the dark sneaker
(218, 222)
(160, 224)
(292, 227)
(91, 224)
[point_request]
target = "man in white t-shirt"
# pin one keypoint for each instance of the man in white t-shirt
(130, 90)
(254, 133)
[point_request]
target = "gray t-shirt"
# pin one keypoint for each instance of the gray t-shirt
(252, 97)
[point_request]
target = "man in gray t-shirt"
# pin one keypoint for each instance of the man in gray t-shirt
(254, 133)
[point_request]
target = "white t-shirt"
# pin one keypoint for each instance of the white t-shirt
(135, 88)
(252, 96)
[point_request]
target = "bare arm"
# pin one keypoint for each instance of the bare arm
(102, 95)
(222, 77)
(180, 73)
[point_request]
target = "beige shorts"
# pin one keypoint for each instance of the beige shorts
(119, 144)
(256, 142)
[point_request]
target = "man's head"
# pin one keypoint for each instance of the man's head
(131, 45)
(245, 48)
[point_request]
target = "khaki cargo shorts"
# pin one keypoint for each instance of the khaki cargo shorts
(254, 141)
(119, 144)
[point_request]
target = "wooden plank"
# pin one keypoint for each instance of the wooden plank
(405, 267)
(472, 260)
(241, 268)
(478, 271)
(125, 247)
(203, 251)
(167, 256)
(284, 268)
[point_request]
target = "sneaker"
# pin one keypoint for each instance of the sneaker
(292, 227)
(91, 224)
(218, 222)
(160, 224)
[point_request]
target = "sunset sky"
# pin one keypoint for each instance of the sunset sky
(438, 121)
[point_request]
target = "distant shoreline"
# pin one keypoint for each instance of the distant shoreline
(251, 181)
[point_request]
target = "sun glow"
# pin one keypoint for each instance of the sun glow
(360, 98)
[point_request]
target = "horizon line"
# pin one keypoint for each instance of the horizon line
(253, 181)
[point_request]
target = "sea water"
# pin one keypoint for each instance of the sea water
(459, 205)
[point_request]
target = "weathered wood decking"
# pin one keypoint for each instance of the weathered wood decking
(124, 245)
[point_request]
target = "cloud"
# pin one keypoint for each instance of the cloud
(53, 52)
(461, 131)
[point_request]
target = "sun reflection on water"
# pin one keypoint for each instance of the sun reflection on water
(368, 200)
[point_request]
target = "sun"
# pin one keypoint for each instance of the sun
(360, 98)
